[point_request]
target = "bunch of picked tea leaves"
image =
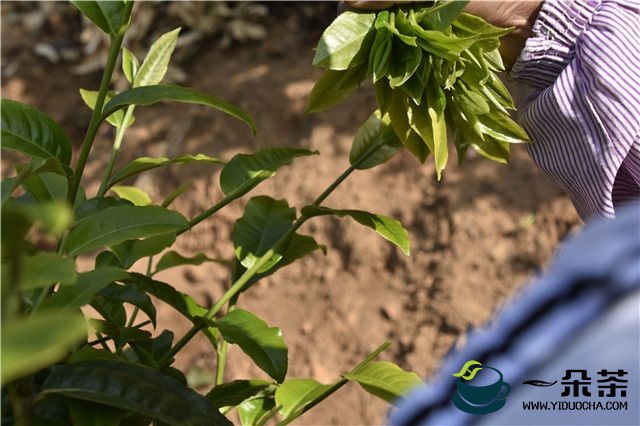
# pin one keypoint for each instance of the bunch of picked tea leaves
(433, 68)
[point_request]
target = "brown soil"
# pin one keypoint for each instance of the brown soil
(474, 243)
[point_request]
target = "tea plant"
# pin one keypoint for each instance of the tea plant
(64, 364)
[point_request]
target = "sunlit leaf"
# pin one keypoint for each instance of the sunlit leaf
(148, 95)
(389, 228)
(245, 171)
(154, 66)
(341, 43)
(385, 380)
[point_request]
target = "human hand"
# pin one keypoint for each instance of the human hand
(518, 14)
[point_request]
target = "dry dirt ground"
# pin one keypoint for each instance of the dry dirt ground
(477, 236)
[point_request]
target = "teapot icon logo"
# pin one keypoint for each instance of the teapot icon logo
(481, 389)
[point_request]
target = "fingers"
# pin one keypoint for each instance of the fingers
(372, 4)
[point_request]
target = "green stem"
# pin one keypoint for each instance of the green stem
(222, 349)
(117, 142)
(249, 273)
(96, 115)
(204, 215)
(136, 309)
(339, 180)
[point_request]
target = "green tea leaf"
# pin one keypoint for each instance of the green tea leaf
(171, 259)
(97, 204)
(437, 102)
(415, 86)
(181, 302)
(7, 187)
(88, 284)
(148, 95)
(37, 341)
(390, 229)
(130, 65)
(143, 164)
(252, 411)
(31, 132)
(383, 95)
(492, 149)
(245, 171)
(298, 247)
(374, 132)
(263, 344)
(129, 252)
(502, 128)
(447, 46)
(54, 217)
(130, 193)
(380, 60)
(444, 13)
(87, 353)
(110, 15)
(49, 187)
(333, 86)
(116, 119)
(294, 394)
(117, 224)
(115, 318)
(130, 293)
(422, 124)
(120, 334)
(154, 66)
(416, 146)
(264, 221)
(390, 25)
(44, 269)
(135, 389)
(90, 414)
(152, 351)
(500, 91)
(471, 100)
(233, 393)
(344, 43)
(494, 59)
(474, 25)
(406, 62)
(385, 380)
(397, 110)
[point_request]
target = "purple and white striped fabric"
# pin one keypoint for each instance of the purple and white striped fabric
(582, 65)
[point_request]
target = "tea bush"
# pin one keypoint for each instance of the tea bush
(62, 365)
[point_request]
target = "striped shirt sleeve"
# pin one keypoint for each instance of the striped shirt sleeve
(582, 66)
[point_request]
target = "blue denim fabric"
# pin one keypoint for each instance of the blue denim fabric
(594, 277)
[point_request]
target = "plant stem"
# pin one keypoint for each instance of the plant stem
(117, 142)
(96, 115)
(249, 273)
(202, 216)
(337, 182)
(136, 309)
(223, 348)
